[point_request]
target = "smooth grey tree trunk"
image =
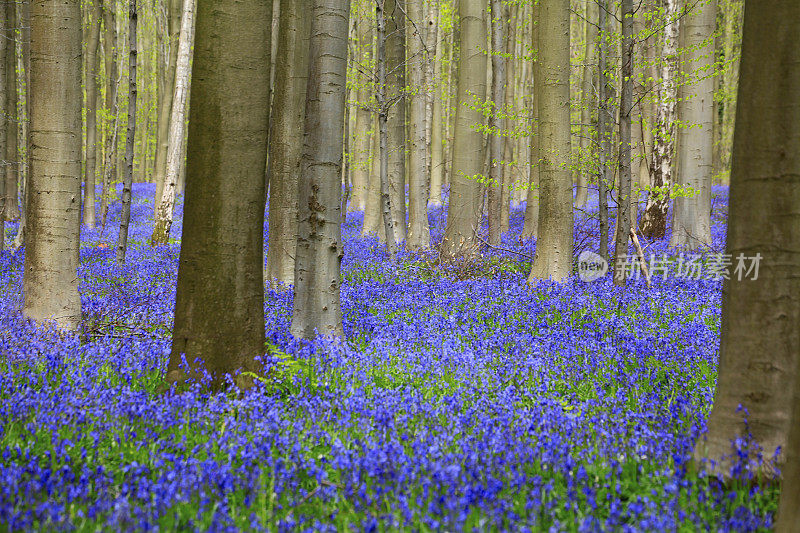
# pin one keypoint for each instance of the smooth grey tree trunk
(6, 46)
(363, 115)
(219, 304)
(691, 227)
(50, 282)
(588, 84)
(497, 124)
(510, 141)
(419, 234)
(530, 228)
(759, 345)
(372, 211)
(112, 106)
(317, 305)
(553, 259)
(130, 139)
(286, 139)
(437, 126)
(383, 136)
(605, 122)
(11, 208)
(464, 209)
(92, 82)
(396, 97)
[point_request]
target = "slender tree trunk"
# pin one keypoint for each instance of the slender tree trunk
(759, 347)
(130, 139)
(588, 83)
(691, 226)
(654, 219)
(11, 209)
(396, 88)
(530, 229)
(92, 84)
(317, 305)
(166, 207)
(432, 37)
(24, 15)
(7, 21)
(497, 124)
(419, 234)
(625, 167)
(112, 105)
(553, 259)
(219, 305)
(363, 122)
(509, 141)
(383, 135)
(463, 215)
(50, 282)
(286, 139)
(175, 8)
(437, 140)
(372, 211)
(605, 132)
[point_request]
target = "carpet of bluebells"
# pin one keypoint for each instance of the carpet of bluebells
(461, 400)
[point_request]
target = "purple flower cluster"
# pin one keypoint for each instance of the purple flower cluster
(453, 405)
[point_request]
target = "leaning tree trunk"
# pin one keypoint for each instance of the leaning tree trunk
(625, 170)
(497, 124)
(553, 259)
(219, 305)
(130, 140)
(317, 305)
(419, 234)
(286, 139)
(92, 83)
(760, 347)
(177, 126)
(175, 8)
(691, 227)
(530, 227)
(654, 219)
(463, 214)
(50, 282)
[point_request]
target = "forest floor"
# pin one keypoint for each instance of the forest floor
(462, 400)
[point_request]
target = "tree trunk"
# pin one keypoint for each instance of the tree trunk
(24, 19)
(383, 136)
(112, 105)
(605, 133)
(497, 124)
(437, 140)
(11, 209)
(286, 139)
(654, 219)
(530, 228)
(317, 305)
(396, 88)
(759, 346)
(92, 84)
(363, 122)
(625, 170)
(372, 211)
(7, 21)
(130, 139)
(50, 282)
(166, 207)
(588, 82)
(219, 305)
(175, 9)
(510, 140)
(419, 234)
(463, 215)
(691, 226)
(553, 259)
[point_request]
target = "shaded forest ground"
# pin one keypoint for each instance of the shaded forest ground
(461, 400)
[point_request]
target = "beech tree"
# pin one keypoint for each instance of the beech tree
(286, 139)
(530, 228)
(416, 39)
(553, 259)
(317, 306)
(219, 304)
(497, 124)
(92, 81)
(50, 283)
(760, 348)
(465, 190)
(122, 240)
(395, 92)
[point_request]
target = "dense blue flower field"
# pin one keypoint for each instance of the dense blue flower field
(460, 401)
